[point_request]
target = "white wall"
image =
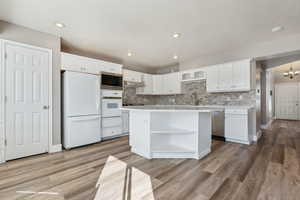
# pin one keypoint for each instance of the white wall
(270, 96)
(28, 36)
(2, 146)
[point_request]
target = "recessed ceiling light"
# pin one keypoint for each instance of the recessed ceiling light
(277, 29)
(60, 25)
(176, 35)
(129, 54)
(175, 57)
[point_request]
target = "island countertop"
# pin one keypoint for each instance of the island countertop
(173, 108)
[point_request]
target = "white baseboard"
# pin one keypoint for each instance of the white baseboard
(266, 126)
(257, 136)
(203, 153)
(237, 141)
(2, 159)
(55, 148)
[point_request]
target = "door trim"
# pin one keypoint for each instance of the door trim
(3, 43)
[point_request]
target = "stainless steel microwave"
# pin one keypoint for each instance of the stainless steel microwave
(113, 81)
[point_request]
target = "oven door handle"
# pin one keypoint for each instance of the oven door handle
(112, 98)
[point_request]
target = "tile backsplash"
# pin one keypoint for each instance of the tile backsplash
(193, 93)
(130, 97)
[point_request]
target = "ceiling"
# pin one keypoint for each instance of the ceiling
(113, 27)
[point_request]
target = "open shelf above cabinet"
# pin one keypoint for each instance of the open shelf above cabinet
(193, 75)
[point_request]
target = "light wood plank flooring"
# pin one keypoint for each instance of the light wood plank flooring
(267, 170)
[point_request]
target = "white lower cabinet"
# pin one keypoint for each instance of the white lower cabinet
(237, 126)
(125, 122)
(75, 126)
(111, 122)
(170, 134)
(111, 127)
(111, 132)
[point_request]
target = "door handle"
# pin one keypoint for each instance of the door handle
(46, 107)
(86, 119)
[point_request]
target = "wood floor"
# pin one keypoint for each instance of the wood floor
(267, 170)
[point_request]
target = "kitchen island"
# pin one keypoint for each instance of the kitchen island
(170, 131)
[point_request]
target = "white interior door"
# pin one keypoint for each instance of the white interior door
(287, 101)
(27, 105)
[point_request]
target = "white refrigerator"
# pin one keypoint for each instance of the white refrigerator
(81, 109)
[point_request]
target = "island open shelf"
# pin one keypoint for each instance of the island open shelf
(170, 133)
(173, 135)
(170, 130)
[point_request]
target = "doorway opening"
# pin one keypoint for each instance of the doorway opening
(280, 89)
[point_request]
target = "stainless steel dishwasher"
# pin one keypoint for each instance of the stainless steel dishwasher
(218, 123)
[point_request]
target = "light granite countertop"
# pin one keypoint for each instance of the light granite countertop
(198, 108)
(173, 108)
(227, 106)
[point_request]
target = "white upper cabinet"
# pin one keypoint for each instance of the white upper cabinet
(132, 76)
(147, 88)
(158, 85)
(171, 83)
(148, 83)
(230, 77)
(163, 84)
(76, 63)
(212, 76)
(93, 66)
(241, 76)
(73, 62)
(225, 76)
(109, 67)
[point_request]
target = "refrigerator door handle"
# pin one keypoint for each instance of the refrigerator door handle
(98, 92)
(86, 119)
